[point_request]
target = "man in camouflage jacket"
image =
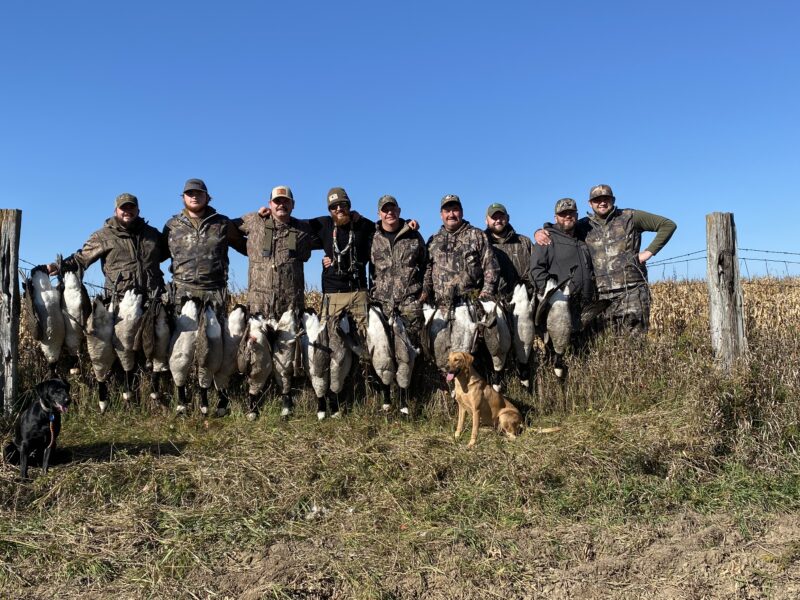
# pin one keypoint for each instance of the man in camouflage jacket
(461, 263)
(512, 250)
(398, 258)
(129, 251)
(197, 239)
(278, 245)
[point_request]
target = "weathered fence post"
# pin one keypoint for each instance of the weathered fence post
(10, 222)
(725, 304)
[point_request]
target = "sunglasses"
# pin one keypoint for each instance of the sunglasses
(339, 206)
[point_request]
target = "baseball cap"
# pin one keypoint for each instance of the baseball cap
(600, 190)
(566, 204)
(281, 191)
(450, 198)
(195, 184)
(495, 208)
(127, 199)
(387, 199)
(337, 195)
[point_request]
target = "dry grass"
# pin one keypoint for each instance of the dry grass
(667, 480)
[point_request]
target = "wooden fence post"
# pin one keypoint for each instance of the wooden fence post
(10, 223)
(725, 304)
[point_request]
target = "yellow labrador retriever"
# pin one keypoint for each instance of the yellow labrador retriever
(476, 396)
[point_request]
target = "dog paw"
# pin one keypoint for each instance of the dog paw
(103, 406)
(320, 415)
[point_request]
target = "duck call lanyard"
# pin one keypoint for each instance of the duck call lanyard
(349, 249)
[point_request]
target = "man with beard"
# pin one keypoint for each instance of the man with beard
(398, 258)
(565, 259)
(614, 237)
(278, 245)
(130, 254)
(197, 240)
(346, 242)
(128, 249)
(512, 250)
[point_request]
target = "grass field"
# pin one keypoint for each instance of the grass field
(667, 480)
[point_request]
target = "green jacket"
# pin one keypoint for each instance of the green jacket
(129, 257)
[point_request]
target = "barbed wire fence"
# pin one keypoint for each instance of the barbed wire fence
(773, 267)
(680, 266)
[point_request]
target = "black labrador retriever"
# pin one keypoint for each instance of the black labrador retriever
(39, 425)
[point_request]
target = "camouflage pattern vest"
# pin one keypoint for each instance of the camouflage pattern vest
(199, 255)
(614, 245)
(276, 254)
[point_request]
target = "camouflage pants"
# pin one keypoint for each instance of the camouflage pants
(629, 310)
(181, 293)
(354, 303)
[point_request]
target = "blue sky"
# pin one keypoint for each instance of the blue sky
(684, 108)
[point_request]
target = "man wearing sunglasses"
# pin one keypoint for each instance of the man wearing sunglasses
(614, 238)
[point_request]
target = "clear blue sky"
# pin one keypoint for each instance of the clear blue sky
(684, 108)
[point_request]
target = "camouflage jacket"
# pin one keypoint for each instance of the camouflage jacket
(130, 257)
(459, 263)
(276, 253)
(398, 267)
(200, 253)
(513, 252)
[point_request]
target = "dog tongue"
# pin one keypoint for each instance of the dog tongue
(450, 377)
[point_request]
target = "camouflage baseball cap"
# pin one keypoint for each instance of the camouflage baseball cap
(281, 191)
(450, 198)
(126, 198)
(387, 199)
(337, 195)
(566, 204)
(195, 184)
(600, 190)
(496, 208)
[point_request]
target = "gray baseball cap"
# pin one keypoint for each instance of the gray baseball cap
(566, 204)
(195, 184)
(600, 190)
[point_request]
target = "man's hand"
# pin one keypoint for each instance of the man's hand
(645, 256)
(485, 297)
(264, 212)
(413, 225)
(541, 237)
(326, 261)
(423, 297)
(52, 269)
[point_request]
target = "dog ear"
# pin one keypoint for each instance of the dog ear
(468, 359)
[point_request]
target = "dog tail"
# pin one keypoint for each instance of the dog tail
(545, 429)
(11, 454)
